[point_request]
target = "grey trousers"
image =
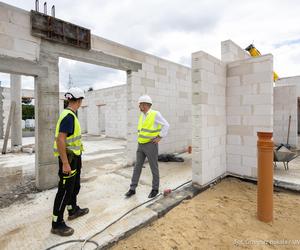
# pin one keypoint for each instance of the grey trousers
(149, 150)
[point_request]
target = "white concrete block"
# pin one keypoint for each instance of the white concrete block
(249, 161)
(265, 88)
(238, 90)
(239, 70)
(151, 60)
(263, 110)
(265, 66)
(234, 159)
(233, 101)
(263, 77)
(257, 120)
(240, 110)
(249, 140)
(234, 140)
(234, 120)
(257, 99)
(241, 150)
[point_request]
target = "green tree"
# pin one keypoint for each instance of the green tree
(27, 112)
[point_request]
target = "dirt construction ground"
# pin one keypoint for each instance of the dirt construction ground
(223, 217)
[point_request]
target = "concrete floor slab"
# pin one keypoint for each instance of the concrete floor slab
(288, 178)
(27, 225)
(18, 169)
(172, 174)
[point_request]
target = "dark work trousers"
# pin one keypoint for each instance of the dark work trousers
(149, 150)
(68, 187)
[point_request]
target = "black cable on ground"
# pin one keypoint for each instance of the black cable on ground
(121, 217)
(181, 185)
(72, 241)
(88, 240)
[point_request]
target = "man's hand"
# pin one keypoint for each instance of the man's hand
(156, 140)
(66, 168)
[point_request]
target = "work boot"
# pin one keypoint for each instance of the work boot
(153, 193)
(130, 193)
(77, 212)
(61, 229)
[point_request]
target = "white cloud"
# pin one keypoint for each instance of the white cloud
(173, 29)
(26, 81)
(86, 75)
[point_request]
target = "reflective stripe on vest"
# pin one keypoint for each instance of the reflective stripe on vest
(146, 129)
(73, 142)
(72, 139)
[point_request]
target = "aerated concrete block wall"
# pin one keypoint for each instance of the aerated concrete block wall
(15, 37)
(209, 117)
(230, 52)
(168, 84)
(249, 110)
(113, 103)
(286, 94)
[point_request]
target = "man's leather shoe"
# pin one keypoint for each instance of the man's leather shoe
(153, 193)
(130, 193)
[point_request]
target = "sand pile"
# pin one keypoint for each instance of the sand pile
(223, 217)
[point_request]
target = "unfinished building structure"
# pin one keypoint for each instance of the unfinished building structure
(218, 106)
(169, 84)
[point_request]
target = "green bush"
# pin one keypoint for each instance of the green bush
(27, 112)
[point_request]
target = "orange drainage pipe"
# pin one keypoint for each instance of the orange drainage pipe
(265, 176)
(189, 149)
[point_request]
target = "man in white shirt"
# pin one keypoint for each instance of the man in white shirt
(152, 128)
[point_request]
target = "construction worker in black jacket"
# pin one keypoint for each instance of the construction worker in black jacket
(68, 148)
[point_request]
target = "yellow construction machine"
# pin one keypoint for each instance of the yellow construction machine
(255, 52)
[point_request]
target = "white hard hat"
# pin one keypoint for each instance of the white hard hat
(75, 93)
(145, 98)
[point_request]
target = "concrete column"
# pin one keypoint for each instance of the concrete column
(16, 125)
(132, 117)
(46, 115)
(2, 113)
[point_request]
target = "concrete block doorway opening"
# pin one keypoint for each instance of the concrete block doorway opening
(17, 140)
(102, 115)
(286, 129)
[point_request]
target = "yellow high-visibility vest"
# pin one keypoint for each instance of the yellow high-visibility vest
(73, 142)
(146, 129)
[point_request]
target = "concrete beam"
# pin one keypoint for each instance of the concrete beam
(21, 67)
(92, 56)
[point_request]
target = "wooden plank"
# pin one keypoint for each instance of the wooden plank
(10, 117)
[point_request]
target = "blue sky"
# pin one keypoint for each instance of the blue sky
(173, 29)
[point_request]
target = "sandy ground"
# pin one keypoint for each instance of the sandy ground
(223, 217)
